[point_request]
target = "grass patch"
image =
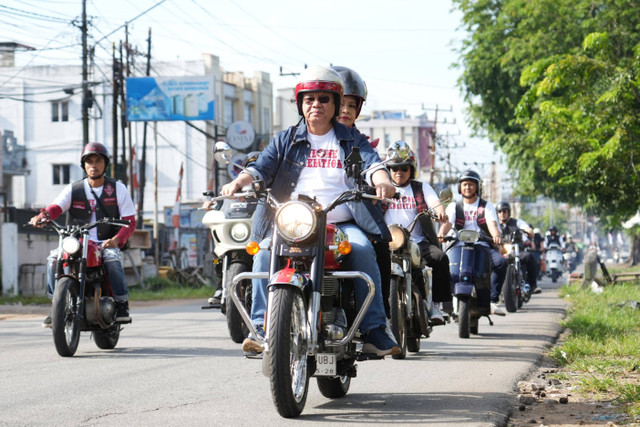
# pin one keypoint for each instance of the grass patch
(603, 346)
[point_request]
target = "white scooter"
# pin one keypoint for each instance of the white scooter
(554, 261)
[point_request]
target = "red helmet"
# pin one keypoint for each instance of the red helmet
(95, 148)
(353, 85)
(319, 79)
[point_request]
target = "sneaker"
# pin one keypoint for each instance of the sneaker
(537, 291)
(380, 341)
(122, 312)
(217, 297)
(251, 346)
(435, 315)
(497, 310)
(46, 323)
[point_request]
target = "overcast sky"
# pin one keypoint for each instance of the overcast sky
(404, 49)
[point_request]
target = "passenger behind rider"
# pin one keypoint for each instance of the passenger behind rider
(307, 159)
(508, 225)
(415, 197)
(113, 200)
(355, 94)
(475, 213)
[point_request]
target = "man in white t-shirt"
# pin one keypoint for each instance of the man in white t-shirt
(475, 213)
(416, 197)
(95, 197)
(309, 159)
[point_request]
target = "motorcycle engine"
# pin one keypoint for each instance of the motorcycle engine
(106, 310)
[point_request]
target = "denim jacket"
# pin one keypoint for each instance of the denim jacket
(281, 162)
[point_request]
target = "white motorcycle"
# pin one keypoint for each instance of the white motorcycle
(554, 261)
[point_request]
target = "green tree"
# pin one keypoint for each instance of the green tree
(556, 85)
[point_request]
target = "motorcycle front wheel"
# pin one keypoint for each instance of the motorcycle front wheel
(288, 362)
(464, 317)
(108, 339)
(509, 290)
(398, 319)
(64, 317)
(237, 329)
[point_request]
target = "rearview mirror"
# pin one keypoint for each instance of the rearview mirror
(222, 153)
(446, 195)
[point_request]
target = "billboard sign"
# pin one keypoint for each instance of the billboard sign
(170, 98)
(240, 135)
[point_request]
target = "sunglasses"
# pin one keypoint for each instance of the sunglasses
(503, 210)
(323, 99)
(402, 168)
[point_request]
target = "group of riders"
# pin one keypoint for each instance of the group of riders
(308, 158)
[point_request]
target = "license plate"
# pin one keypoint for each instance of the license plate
(325, 364)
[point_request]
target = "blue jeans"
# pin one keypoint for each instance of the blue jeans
(362, 258)
(112, 266)
(498, 273)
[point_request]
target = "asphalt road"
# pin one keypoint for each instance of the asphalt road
(176, 365)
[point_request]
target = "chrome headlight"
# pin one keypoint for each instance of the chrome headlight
(240, 232)
(295, 221)
(468, 236)
(70, 245)
(397, 237)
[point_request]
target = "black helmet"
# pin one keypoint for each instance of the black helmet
(353, 85)
(553, 228)
(470, 175)
(95, 148)
(503, 206)
(251, 157)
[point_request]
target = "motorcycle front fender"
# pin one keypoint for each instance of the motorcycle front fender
(289, 276)
(396, 270)
(463, 289)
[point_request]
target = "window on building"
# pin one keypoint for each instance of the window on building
(247, 112)
(228, 112)
(61, 174)
(60, 111)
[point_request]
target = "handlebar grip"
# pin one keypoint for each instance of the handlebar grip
(396, 196)
(208, 193)
(367, 189)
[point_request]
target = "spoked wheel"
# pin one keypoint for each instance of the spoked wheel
(288, 363)
(334, 387)
(237, 329)
(464, 317)
(509, 290)
(108, 339)
(398, 307)
(64, 318)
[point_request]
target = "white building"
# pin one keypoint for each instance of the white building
(41, 106)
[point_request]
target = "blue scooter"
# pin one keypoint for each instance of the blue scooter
(470, 267)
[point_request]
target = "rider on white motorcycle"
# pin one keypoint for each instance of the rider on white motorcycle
(415, 197)
(90, 199)
(308, 158)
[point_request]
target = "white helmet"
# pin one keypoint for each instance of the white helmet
(319, 79)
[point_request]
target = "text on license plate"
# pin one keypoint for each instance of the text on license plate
(325, 364)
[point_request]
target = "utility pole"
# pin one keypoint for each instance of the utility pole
(85, 100)
(123, 122)
(114, 112)
(143, 162)
(432, 149)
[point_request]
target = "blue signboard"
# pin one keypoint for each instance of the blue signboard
(170, 98)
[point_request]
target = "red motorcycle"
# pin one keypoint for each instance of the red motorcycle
(82, 299)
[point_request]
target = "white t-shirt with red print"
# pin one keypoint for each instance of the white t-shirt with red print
(405, 209)
(471, 214)
(323, 176)
(125, 204)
